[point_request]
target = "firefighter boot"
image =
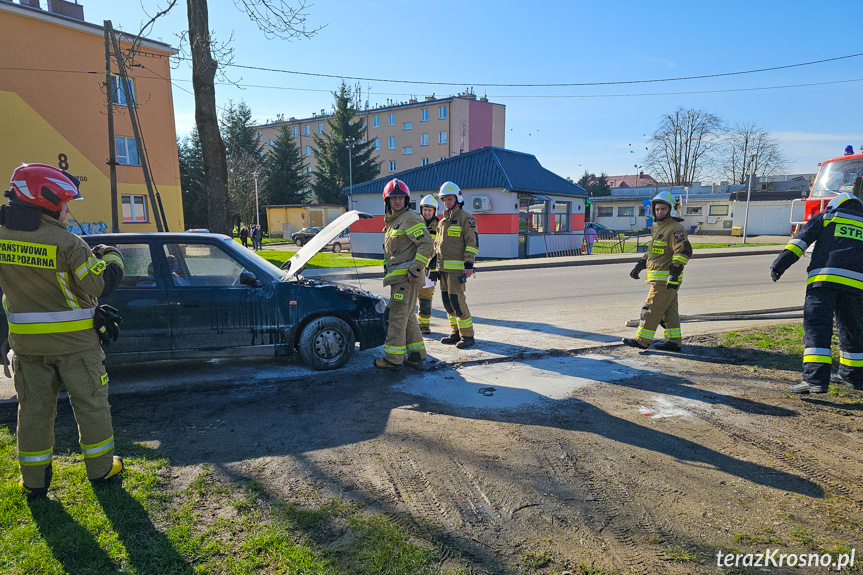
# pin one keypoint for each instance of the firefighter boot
(466, 342)
(451, 339)
(425, 330)
(115, 471)
(414, 360)
(384, 363)
(633, 343)
(34, 493)
(838, 378)
(668, 346)
(804, 387)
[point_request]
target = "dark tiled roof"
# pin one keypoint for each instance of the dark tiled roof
(487, 167)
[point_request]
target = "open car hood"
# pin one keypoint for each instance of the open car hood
(296, 264)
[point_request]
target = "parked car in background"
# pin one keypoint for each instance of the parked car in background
(205, 296)
(198, 231)
(601, 230)
(304, 235)
(341, 242)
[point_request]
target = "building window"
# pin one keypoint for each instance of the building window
(441, 113)
(693, 210)
(407, 125)
(134, 209)
(271, 142)
(320, 128)
(425, 162)
(124, 96)
(376, 121)
(718, 210)
(295, 132)
(392, 166)
(642, 211)
(308, 151)
(392, 143)
(424, 140)
(260, 136)
(307, 130)
(408, 150)
(560, 217)
(625, 211)
(392, 119)
(441, 138)
(127, 151)
(533, 214)
(425, 115)
(604, 211)
(377, 143)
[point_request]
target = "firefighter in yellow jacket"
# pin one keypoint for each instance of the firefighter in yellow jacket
(428, 210)
(50, 280)
(456, 247)
(407, 250)
(668, 252)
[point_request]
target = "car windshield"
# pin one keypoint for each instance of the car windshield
(269, 267)
(837, 177)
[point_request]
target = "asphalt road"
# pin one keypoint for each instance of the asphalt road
(524, 311)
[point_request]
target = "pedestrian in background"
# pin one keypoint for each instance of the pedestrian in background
(456, 247)
(834, 289)
(244, 236)
(669, 250)
(407, 250)
(257, 238)
(589, 238)
(50, 280)
(428, 210)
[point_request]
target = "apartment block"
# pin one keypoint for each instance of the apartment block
(410, 134)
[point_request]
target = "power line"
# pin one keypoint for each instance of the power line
(555, 85)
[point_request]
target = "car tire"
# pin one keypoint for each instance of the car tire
(337, 248)
(299, 242)
(326, 343)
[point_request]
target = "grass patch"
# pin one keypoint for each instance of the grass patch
(785, 342)
(319, 260)
(213, 526)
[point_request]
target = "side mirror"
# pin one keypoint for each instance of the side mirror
(247, 278)
(857, 186)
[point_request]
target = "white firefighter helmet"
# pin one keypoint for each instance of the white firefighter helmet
(665, 198)
(450, 189)
(841, 199)
(428, 201)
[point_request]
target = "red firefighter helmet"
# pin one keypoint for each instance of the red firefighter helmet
(396, 187)
(44, 186)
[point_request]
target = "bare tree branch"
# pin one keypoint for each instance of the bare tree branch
(683, 146)
(278, 19)
(749, 149)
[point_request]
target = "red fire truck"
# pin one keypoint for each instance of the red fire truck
(842, 174)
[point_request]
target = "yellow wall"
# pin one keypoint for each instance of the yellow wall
(300, 217)
(53, 111)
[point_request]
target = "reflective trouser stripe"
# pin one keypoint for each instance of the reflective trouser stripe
(424, 320)
(35, 457)
(851, 359)
(394, 349)
(464, 323)
(817, 359)
(97, 449)
(645, 333)
(672, 333)
(416, 346)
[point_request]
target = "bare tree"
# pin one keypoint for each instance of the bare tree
(242, 168)
(750, 149)
(683, 145)
(276, 19)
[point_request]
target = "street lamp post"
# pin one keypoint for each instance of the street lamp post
(350, 171)
(748, 195)
(257, 207)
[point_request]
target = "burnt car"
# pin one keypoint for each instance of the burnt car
(304, 235)
(202, 295)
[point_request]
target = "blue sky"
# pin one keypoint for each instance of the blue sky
(569, 129)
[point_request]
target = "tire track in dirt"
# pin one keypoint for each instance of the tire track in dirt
(606, 498)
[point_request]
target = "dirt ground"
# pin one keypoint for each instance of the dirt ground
(699, 452)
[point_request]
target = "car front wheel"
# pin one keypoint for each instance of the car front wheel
(337, 248)
(326, 343)
(299, 242)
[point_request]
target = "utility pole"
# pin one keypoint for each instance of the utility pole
(112, 145)
(748, 195)
(142, 156)
(350, 171)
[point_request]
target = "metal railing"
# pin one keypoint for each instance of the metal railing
(575, 244)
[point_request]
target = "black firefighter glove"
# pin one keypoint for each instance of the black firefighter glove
(642, 264)
(434, 276)
(107, 324)
(674, 277)
(783, 261)
(775, 274)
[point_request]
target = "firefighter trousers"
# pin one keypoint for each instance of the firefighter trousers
(425, 308)
(452, 294)
(37, 382)
(403, 331)
(821, 306)
(661, 304)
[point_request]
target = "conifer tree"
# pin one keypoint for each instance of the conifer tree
(285, 171)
